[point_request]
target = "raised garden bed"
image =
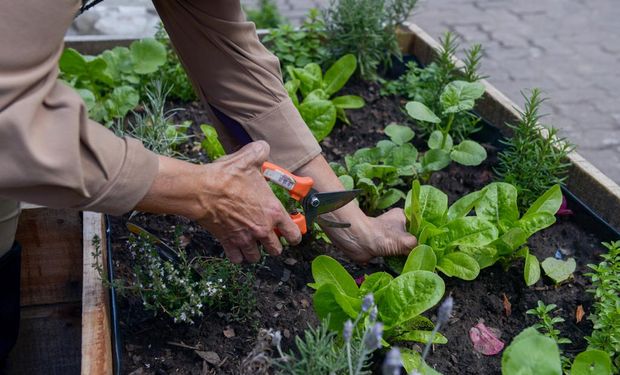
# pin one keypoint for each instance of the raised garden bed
(284, 302)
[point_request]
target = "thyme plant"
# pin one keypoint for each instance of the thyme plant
(366, 29)
(531, 162)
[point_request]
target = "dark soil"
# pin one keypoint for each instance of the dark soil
(155, 345)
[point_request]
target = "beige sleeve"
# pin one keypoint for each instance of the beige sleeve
(50, 152)
(237, 75)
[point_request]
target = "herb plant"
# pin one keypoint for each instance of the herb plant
(399, 301)
(606, 309)
(532, 162)
(172, 73)
(546, 323)
(266, 16)
(317, 107)
(366, 29)
(301, 46)
(110, 84)
(456, 99)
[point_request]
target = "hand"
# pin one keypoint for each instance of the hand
(229, 197)
(370, 237)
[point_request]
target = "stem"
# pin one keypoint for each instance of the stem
(349, 358)
(447, 130)
(427, 348)
(360, 360)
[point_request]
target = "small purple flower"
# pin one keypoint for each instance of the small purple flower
(372, 339)
(445, 310)
(347, 331)
(393, 362)
(373, 314)
(368, 302)
(276, 337)
(360, 280)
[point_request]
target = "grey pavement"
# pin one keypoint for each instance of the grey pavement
(570, 49)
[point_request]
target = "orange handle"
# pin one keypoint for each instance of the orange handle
(300, 220)
(298, 187)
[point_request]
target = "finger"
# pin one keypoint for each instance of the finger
(251, 253)
(233, 253)
(255, 153)
(396, 218)
(288, 229)
(272, 244)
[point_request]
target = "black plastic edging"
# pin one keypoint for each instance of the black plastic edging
(116, 336)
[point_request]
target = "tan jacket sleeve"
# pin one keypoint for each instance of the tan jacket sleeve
(237, 75)
(50, 152)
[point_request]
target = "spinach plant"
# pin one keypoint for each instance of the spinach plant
(211, 142)
(266, 16)
(317, 107)
(531, 161)
(457, 98)
(399, 301)
(110, 84)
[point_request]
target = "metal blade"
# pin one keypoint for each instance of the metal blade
(332, 201)
(164, 250)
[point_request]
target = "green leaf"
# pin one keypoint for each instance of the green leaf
(510, 241)
(459, 96)
(310, 78)
(147, 55)
(329, 301)
(591, 362)
(320, 116)
(389, 198)
(119, 65)
(468, 153)
(549, 202)
(531, 353)
(435, 160)
(88, 97)
(535, 222)
(465, 231)
(291, 87)
(499, 205)
(559, 270)
(422, 257)
(408, 295)
(412, 360)
(459, 264)
(421, 336)
(122, 100)
(327, 270)
(72, 62)
(211, 142)
(348, 102)
(420, 112)
(399, 134)
(339, 73)
(403, 158)
(464, 205)
(347, 182)
(432, 203)
(531, 270)
(437, 138)
(374, 283)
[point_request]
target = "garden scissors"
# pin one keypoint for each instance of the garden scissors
(312, 202)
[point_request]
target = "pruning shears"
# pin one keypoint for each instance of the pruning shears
(312, 202)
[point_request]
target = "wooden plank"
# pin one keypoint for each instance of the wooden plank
(48, 342)
(96, 336)
(585, 180)
(51, 269)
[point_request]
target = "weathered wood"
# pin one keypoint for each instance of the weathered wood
(585, 180)
(96, 337)
(51, 269)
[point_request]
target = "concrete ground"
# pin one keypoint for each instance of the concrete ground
(568, 48)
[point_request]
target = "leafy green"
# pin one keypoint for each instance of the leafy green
(592, 362)
(531, 353)
(559, 270)
(211, 143)
(266, 16)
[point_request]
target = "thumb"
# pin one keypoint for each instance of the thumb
(253, 154)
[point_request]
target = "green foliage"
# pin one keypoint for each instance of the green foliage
(172, 72)
(317, 107)
(606, 309)
(459, 245)
(400, 300)
(531, 162)
(153, 125)
(267, 16)
(456, 99)
(366, 29)
(211, 142)
(547, 322)
(559, 270)
(426, 85)
(531, 352)
(592, 362)
(301, 46)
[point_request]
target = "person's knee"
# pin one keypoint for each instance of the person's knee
(9, 215)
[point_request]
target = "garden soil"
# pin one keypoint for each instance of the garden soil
(220, 345)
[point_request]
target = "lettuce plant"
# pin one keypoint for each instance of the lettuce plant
(110, 84)
(399, 301)
(457, 99)
(459, 245)
(318, 109)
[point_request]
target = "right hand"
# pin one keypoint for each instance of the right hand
(239, 208)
